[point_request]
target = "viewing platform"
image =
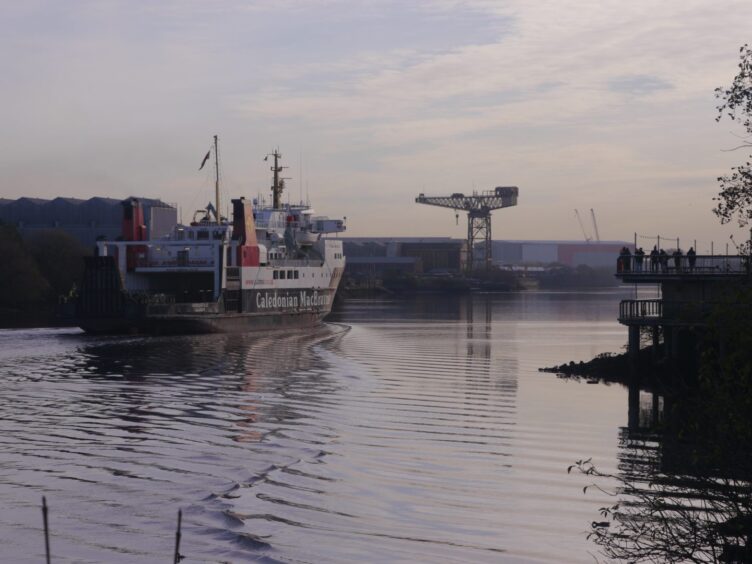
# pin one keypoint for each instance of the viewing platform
(691, 288)
(647, 269)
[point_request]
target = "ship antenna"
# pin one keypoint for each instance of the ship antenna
(217, 215)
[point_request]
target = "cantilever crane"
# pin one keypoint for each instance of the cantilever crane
(478, 208)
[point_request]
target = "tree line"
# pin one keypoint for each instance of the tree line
(36, 271)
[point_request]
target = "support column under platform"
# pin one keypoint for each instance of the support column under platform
(633, 345)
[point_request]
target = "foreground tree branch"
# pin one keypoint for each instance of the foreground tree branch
(734, 201)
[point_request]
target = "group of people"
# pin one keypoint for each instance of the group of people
(658, 260)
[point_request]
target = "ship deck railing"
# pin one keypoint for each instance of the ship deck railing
(633, 268)
(168, 263)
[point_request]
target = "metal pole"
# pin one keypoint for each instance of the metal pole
(470, 242)
(635, 241)
(46, 530)
(677, 243)
(659, 242)
(216, 181)
(178, 558)
(711, 248)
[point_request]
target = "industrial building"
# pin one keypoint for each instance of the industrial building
(568, 253)
(86, 220)
(379, 257)
(374, 258)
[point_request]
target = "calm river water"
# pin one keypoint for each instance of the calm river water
(401, 431)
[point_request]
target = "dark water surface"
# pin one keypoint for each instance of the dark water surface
(401, 431)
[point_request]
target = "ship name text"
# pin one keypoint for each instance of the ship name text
(274, 300)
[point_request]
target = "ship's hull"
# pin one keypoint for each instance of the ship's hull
(255, 310)
(195, 324)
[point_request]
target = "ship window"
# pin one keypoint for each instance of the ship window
(190, 234)
(289, 274)
(276, 274)
(229, 256)
(297, 275)
(202, 235)
(281, 274)
(217, 234)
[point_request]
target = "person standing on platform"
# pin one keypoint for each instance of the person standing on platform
(639, 254)
(627, 259)
(691, 258)
(663, 257)
(678, 260)
(654, 259)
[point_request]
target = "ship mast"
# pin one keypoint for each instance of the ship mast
(217, 214)
(278, 185)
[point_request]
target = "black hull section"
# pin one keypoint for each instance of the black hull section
(220, 323)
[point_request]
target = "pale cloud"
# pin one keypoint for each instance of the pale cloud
(582, 103)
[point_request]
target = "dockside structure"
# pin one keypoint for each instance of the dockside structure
(691, 287)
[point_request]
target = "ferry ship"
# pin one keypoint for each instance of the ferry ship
(272, 266)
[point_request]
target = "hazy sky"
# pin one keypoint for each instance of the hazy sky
(582, 104)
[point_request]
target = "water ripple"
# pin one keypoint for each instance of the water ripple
(407, 438)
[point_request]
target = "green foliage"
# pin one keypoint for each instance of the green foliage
(59, 256)
(21, 282)
(34, 273)
(735, 197)
(724, 387)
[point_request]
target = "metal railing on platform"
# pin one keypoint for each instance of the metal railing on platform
(662, 311)
(640, 309)
(683, 265)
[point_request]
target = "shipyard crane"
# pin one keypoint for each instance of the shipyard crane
(478, 208)
(595, 226)
(582, 226)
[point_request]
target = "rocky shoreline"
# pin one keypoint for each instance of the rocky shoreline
(612, 367)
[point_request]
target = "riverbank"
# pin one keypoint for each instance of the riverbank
(616, 368)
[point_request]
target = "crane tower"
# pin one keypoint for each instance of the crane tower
(478, 208)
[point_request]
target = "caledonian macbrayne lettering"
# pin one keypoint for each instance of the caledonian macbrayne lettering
(268, 300)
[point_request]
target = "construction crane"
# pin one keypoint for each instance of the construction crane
(595, 226)
(478, 208)
(582, 226)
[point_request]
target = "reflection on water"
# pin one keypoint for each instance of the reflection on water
(682, 486)
(402, 431)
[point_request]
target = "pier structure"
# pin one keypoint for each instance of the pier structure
(478, 208)
(690, 287)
